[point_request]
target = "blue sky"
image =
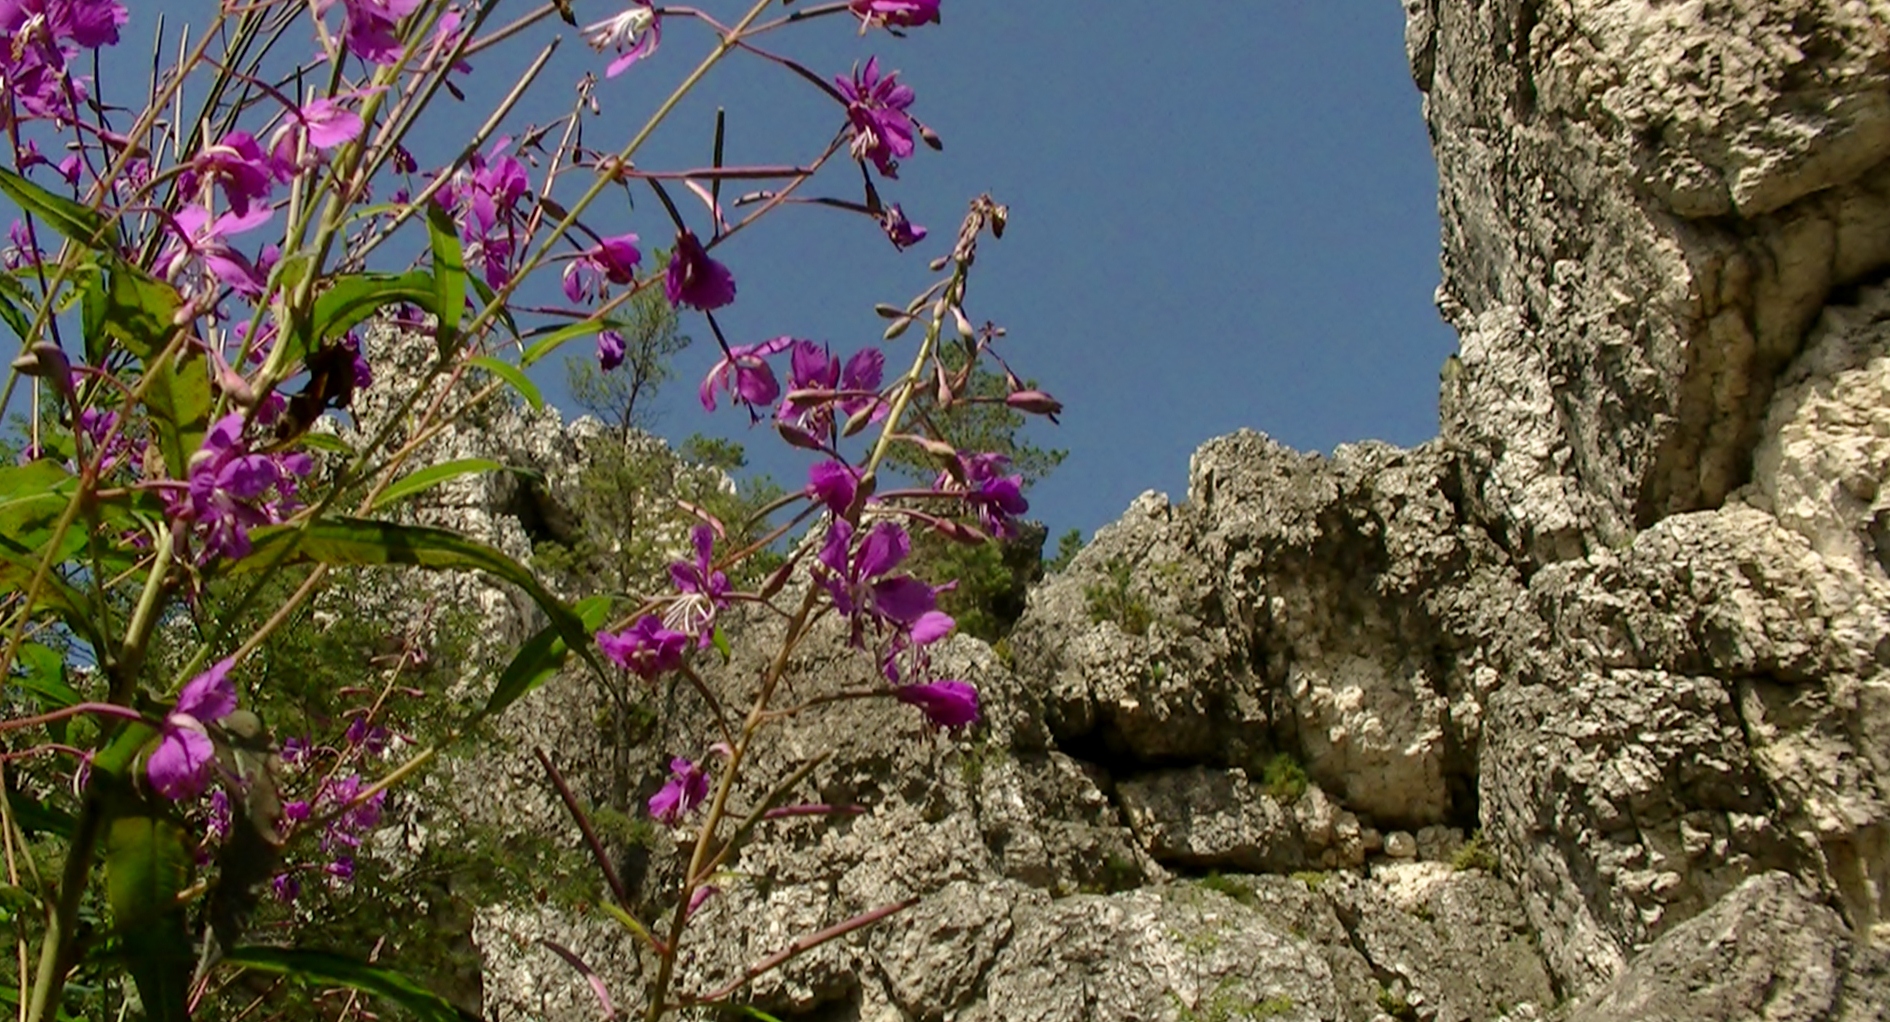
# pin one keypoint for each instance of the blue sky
(1223, 215)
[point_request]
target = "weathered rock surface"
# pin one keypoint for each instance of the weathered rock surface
(1627, 621)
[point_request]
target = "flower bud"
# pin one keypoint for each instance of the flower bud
(1035, 402)
(930, 137)
(46, 361)
(959, 532)
(897, 328)
(798, 437)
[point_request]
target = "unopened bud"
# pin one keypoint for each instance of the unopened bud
(885, 311)
(931, 138)
(897, 328)
(965, 328)
(232, 383)
(778, 579)
(858, 421)
(46, 361)
(936, 448)
(798, 437)
(959, 532)
(1035, 402)
(945, 392)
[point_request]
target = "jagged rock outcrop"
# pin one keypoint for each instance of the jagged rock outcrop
(1580, 711)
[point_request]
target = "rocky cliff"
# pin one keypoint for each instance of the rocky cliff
(1579, 711)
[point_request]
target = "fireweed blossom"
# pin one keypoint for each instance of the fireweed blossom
(703, 590)
(833, 484)
(876, 107)
(610, 350)
(694, 279)
(231, 491)
(238, 167)
(895, 13)
(997, 498)
(814, 367)
(947, 704)
(646, 649)
(858, 581)
(745, 373)
(612, 260)
(901, 232)
(200, 258)
(44, 37)
(687, 787)
(180, 765)
(486, 197)
(372, 26)
(634, 34)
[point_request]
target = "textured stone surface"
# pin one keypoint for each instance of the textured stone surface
(1768, 951)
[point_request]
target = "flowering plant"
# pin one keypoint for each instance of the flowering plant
(191, 295)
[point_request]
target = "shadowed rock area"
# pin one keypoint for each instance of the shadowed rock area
(1580, 711)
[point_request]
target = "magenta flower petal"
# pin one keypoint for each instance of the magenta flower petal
(696, 280)
(885, 545)
(210, 695)
(947, 704)
(903, 600)
(687, 787)
(180, 765)
(832, 483)
(610, 349)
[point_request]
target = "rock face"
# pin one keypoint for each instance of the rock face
(1580, 711)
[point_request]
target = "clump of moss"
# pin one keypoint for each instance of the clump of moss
(1474, 854)
(1113, 599)
(1282, 777)
(1234, 889)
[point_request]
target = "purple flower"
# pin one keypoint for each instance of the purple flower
(704, 590)
(486, 197)
(745, 372)
(947, 704)
(352, 816)
(200, 256)
(609, 349)
(238, 166)
(180, 765)
(696, 280)
(634, 34)
(902, 13)
(285, 887)
(902, 232)
(815, 368)
(611, 259)
(688, 785)
(997, 498)
(371, 30)
(645, 649)
(229, 490)
(833, 484)
(882, 131)
(857, 582)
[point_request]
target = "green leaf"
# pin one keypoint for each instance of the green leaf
(542, 655)
(488, 296)
(330, 969)
(432, 476)
(36, 817)
(510, 374)
(15, 317)
(139, 310)
(83, 225)
(44, 675)
(449, 273)
(361, 541)
(180, 401)
(327, 442)
(554, 340)
(354, 297)
(147, 865)
(720, 641)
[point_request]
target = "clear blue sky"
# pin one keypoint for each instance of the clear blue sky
(1223, 215)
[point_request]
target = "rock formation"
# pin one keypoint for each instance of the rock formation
(1581, 710)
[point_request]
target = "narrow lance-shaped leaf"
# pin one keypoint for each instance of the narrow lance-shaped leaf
(147, 864)
(82, 224)
(329, 969)
(431, 476)
(449, 274)
(541, 656)
(361, 541)
(510, 374)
